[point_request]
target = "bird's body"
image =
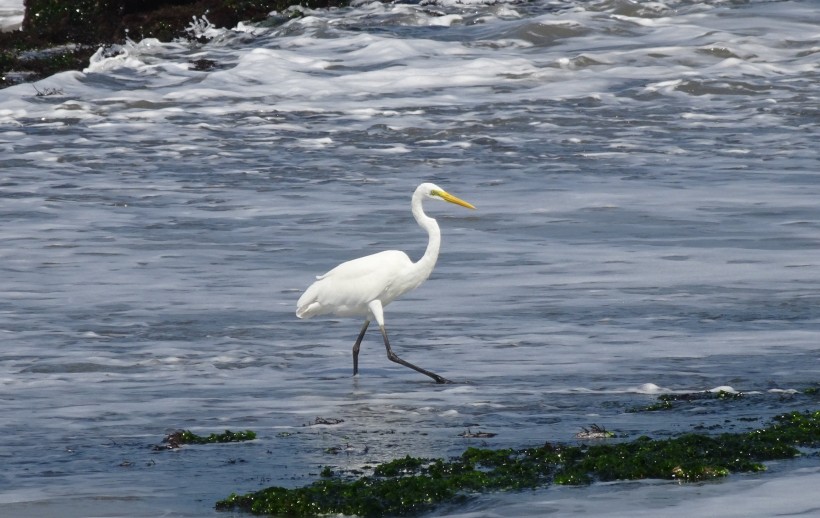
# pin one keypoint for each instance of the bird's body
(347, 290)
(363, 286)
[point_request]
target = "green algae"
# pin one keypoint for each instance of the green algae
(719, 398)
(412, 485)
(189, 437)
(176, 439)
(672, 401)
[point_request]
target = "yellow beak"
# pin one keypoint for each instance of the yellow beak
(446, 196)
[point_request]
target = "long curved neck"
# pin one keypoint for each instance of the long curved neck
(425, 265)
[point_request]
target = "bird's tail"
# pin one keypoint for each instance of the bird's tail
(307, 305)
(308, 310)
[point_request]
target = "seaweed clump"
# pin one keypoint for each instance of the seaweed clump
(176, 439)
(413, 485)
(670, 401)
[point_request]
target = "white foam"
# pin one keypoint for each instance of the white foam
(650, 388)
(11, 15)
(724, 388)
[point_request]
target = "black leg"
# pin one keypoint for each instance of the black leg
(356, 347)
(393, 357)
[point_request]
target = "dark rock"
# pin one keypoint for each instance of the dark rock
(81, 26)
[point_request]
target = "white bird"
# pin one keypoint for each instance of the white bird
(364, 286)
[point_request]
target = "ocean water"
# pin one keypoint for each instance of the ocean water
(646, 183)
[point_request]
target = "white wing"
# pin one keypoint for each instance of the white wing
(347, 289)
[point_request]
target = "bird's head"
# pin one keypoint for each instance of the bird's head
(431, 190)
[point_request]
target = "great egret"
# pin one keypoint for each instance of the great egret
(363, 286)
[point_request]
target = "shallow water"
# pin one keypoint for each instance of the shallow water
(646, 181)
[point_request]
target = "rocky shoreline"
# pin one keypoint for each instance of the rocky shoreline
(59, 36)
